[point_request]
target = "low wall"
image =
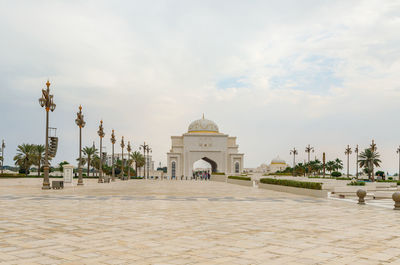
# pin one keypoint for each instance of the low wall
(294, 190)
(248, 183)
(220, 178)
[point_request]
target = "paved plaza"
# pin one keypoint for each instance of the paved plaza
(188, 222)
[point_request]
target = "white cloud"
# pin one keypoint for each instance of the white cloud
(149, 69)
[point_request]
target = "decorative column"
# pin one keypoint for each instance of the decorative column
(356, 151)
(294, 153)
(2, 155)
(128, 148)
(373, 149)
(46, 101)
(81, 123)
(347, 152)
(309, 149)
(122, 162)
(112, 157)
(101, 134)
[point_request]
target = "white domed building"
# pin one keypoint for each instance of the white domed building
(277, 164)
(203, 141)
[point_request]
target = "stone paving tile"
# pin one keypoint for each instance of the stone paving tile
(188, 222)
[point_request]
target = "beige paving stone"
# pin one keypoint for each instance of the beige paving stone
(187, 222)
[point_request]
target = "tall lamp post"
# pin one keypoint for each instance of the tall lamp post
(309, 149)
(347, 152)
(356, 151)
(373, 149)
(144, 146)
(148, 160)
(112, 157)
(398, 151)
(294, 153)
(81, 123)
(46, 101)
(101, 134)
(3, 145)
(128, 148)
(122, 146)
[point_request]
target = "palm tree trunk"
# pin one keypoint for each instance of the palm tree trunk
(39, 168)
(88, 166)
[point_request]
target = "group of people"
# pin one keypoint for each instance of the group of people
(202, 175)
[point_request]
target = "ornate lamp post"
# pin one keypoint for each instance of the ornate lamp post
(398, 151)
(356, 151)
(323, 163)
(148, 160)
(294, 153)
(348, 153)
(128, 148)
(144, 146)
(46, 101)
(3, 145)
(123, 164)
(81, 123)
(112, 157)
(101, 134)
(373, 149)
(309, 149)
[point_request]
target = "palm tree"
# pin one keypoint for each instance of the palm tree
(89, 152)
(300, 169)
(95, 163)
(138, 159)
(367, 160)
(25, 157)
(39, 150)
(338, 164)
(330, 166)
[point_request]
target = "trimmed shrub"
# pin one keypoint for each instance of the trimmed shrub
(319, 177)
(356, 183)
(388, 180)
(239, 178)
(336, 174)
(218, 173)
(10, 175)
(293, 183)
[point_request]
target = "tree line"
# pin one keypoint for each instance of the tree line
(32, 154)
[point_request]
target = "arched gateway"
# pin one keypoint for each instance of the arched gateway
(204, 141)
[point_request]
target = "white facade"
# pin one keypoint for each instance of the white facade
(277, 164)
(204, 141)
(148, 158)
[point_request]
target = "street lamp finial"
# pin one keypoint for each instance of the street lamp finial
(48, 83)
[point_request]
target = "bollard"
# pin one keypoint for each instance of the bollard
(396, 198)
(361, 195)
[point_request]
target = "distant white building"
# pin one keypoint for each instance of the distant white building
(148, 158)
(203, 141)
(277, 164)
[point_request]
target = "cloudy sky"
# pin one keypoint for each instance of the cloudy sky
(276, 74)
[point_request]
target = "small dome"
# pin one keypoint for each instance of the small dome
(203, 126)
(278, 160)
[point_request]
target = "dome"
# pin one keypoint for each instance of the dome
(203, 126)
(278, 160)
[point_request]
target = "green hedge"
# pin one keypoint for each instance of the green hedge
(239, 178)
(293, 183)
(381, 180)
(218, 173)
(356, 183)
(319, 177)
(10, 175)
